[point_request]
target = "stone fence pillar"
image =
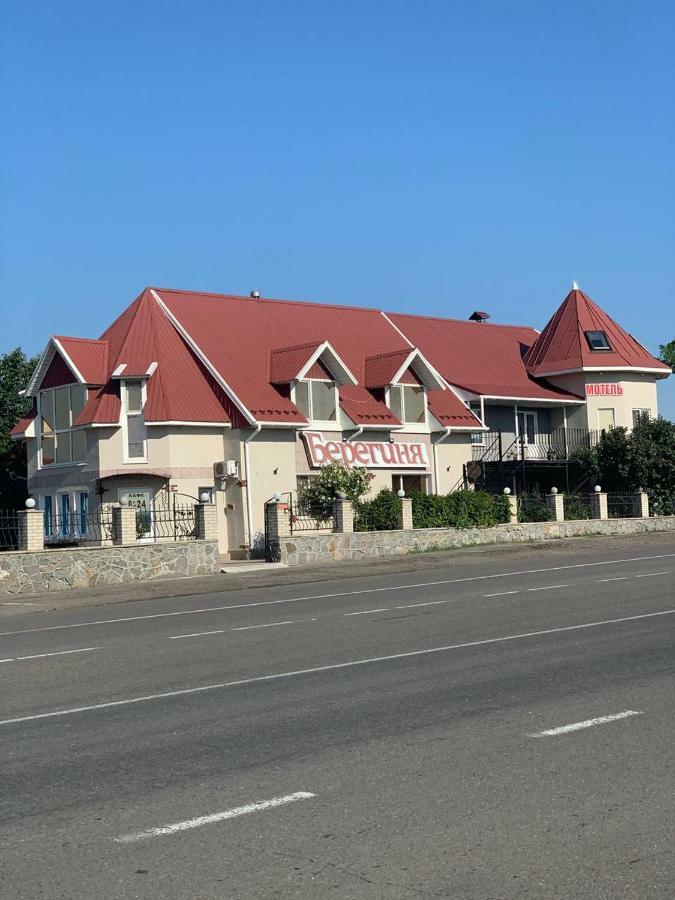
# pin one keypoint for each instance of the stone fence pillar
(513, 509)
(278, 521)
(641, 505)
(206, 522)
(123, 525)
(405, 517)
(556, 504)
(31, 529)
(343, 516)
(599, 505)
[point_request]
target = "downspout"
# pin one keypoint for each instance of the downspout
(352, 437)
(249, 493)
(435, 445)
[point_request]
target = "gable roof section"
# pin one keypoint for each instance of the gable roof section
(23, 426)
(562, 345)
(451, 412)
(179, 389)
(89, 357)
(308, 361)
(392, 368)
(480, 357)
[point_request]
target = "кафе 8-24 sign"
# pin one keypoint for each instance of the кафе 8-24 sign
(371, 454)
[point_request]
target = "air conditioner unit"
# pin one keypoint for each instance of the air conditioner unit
(228, 468)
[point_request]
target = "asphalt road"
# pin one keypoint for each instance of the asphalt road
(395, 736)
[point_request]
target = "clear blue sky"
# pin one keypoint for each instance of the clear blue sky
(433, 156)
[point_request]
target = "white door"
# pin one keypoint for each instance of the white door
(527, 432)
(605, 419)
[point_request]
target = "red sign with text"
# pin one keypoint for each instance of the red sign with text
(371, 454)
(604, 390)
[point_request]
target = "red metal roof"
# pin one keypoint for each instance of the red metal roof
(450, 411)
(236, 334)
(478, 356)
(179, 390)
(562, 345)
(89, 357)
(379, 370)
(20, 428)
(287, 362)
(364, 409)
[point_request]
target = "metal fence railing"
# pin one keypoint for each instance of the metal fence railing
(9, 529)
(76, 529)
(533, 508)
(176, 523)
(579, 506)
(621, 506)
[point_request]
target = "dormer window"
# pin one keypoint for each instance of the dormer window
(408, 403)
(597, 340)
(316, 399)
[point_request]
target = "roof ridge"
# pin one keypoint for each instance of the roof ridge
(318, 303)
(461, 321)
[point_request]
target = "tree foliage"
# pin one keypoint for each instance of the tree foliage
(332, 481)
(643, 458)
(15, 371)
(667, 353)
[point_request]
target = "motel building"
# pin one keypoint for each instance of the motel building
(242, 398)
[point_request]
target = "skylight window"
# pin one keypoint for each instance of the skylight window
(597, 340)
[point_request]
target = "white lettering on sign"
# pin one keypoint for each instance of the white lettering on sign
(371, 454)
(604, 390)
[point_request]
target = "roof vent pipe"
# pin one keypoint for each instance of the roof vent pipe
(255, 295)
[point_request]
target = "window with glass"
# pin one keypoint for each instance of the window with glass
(597, 340)
(59, 409)
(407, 403)
(317, 400)
(640, 415)
(135, 420)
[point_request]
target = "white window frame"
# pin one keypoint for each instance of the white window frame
(409, 427)
(325, 424)
(124, 417)
(56, 431)
(642, 411)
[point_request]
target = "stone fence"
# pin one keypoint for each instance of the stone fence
(307, 548)
(33, 569)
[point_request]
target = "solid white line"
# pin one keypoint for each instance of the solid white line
(428, 603)
(258, 679)
(652, 574)
(588, 723)
(215, 817)
(396, 587)
(501, 593)
(265, 625)
(617, 578)
(178, 637)
(55, 653)
(364, 612)
(548, 587)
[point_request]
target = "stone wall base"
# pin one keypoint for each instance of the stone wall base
(60, 570)
(305, 549)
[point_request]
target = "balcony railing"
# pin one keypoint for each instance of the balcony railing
(556, 446)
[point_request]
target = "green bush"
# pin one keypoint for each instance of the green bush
(318, 494)
(576, 507)
(461, 509)
(378, 514)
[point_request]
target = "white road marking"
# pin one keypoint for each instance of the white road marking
(54, 653)
(364, 612)
(548, 587)
(258, 679)
(265, 625)
(428, 603)
(617, 578)
(215, 817)
(588, 723)
(396, 587)
(178, 637)
(652, 574)
(501, 593)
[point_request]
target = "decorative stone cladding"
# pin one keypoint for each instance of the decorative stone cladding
(306, 549)
(60, 570)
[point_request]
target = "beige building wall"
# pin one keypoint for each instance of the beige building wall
(638, 392)
(452, 455)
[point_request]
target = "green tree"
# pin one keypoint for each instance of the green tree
(667, 353)
(333, 480)
(15, 371)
